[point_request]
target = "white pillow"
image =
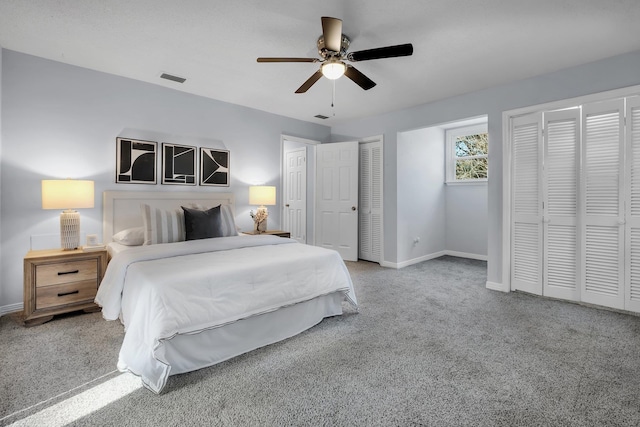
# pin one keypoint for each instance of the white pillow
(130, 236)
(162, 226)
(226, 217)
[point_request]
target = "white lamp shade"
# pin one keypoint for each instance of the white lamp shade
(67, 194)
(262, 195)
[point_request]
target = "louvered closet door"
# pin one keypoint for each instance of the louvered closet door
(632, 247)
(370, 214)
(560, 186)
(526, 207)
(602, 258)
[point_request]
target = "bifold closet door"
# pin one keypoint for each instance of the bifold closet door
(526, 207)
(632, 246)
(602, 254)
(560, 207)
(370, 209)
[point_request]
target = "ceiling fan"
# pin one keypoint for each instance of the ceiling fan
(332, 47)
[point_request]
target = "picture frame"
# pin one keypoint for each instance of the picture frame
(179, 164)
(214, 167)
(136, 161)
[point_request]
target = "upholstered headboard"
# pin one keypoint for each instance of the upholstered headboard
(121, 209)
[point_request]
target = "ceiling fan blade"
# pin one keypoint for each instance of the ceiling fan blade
(360, 79)
(332, 32)
(310, 81)
(381, 52)
(288, 60)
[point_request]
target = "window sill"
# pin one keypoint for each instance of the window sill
(469, 182)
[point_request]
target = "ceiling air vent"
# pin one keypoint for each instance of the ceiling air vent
(172, 78)
(320, 116)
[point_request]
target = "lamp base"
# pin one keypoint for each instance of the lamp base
(70, 229)
(261, 226)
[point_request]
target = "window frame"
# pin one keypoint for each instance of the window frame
(450, 136)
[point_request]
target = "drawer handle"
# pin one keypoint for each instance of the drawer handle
(63, 294)
(61, 273)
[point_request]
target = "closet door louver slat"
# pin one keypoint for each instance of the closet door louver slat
(632, 249)
(370, 202)
(561, 158)
(526, 227)
(602, 259)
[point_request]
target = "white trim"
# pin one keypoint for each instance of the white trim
(11, 308)
(418, 260)
(466, 255)
(506, 158)
(398, 265)
(494, 286)
(480, 181)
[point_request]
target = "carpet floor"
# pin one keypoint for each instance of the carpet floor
(430, 346)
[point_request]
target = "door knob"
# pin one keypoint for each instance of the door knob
(353, 208)
(287, 205)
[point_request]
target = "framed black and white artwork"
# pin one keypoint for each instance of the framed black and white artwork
(178, 164)
(214, 167)
(136, 161)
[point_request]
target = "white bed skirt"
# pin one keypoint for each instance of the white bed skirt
(190, 352)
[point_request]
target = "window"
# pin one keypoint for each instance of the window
(467, 154)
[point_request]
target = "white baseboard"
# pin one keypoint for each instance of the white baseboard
(11, 308)
(494, 286)
(434, 255)
(466, 255)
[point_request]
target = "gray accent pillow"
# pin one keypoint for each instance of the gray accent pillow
(202, 224)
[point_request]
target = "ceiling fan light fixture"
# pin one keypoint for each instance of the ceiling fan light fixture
(333, 70)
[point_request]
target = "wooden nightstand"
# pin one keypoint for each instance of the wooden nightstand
(58, 281)
(278, 233)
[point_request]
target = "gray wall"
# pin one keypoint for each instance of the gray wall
(421, 198)
(467, 219)
(61, 121)
(612, 73)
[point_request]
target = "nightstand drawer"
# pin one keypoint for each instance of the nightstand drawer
(66, 272)
(51, 296)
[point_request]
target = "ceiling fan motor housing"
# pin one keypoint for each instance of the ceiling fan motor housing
(326, 53)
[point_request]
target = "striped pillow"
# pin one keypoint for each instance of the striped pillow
(228, 221)
(162, 226)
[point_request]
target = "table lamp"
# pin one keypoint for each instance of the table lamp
(261, 195)
(68, 194)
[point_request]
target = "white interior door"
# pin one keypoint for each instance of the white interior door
(526, 207)
(295, 193)
(602, 255)
(336, 224)
(370, 205)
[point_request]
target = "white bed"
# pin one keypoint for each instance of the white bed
(188, 305)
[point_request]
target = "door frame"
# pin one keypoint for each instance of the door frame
(310, 145)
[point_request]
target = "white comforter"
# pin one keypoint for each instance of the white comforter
(159, 291)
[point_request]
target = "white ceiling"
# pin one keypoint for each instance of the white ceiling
(459, 45)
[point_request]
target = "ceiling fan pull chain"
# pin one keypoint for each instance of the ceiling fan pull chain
(333, 97)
